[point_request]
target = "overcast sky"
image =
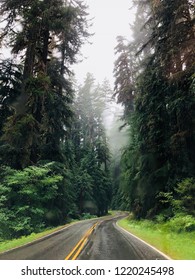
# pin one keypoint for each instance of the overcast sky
(110, 19)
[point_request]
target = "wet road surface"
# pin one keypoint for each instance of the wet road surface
(98, 239)
(110, 242)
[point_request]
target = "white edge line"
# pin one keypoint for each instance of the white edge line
(154, 248)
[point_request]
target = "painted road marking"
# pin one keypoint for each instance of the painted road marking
(149, 245)
(80, 245)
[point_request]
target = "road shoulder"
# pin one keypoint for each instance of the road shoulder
(124, 230)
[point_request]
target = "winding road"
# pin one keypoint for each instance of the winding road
(97, 239)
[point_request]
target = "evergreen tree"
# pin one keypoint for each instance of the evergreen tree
(162, 151)
(89, 143)
(47, 28)
(10, 80)
(36, 95)
(124, 76)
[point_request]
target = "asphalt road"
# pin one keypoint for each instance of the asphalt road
(110, 242)
(54, 247)
(98, 239)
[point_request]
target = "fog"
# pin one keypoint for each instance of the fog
(109, 19)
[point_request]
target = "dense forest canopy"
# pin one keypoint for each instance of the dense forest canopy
(53, 148)
(154, 79)
(58, 159)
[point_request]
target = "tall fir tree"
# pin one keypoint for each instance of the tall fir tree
(163, 122)
(48, 41)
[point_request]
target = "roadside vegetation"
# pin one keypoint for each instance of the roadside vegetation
(55, 158)
(23, 240)
(53, 148)
(173, 230)
(155, 82)
(174, 237)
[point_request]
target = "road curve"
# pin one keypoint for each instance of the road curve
(53, 247)
(110, 242)
(98, 239)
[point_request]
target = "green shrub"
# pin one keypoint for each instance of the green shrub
(185, 196)
(86, 216)
(181, 223)
(28, 200)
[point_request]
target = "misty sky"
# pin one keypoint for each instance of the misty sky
(110, 19)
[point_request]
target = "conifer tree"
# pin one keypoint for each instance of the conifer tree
(90, 146)
(163, 122)
(48, 40)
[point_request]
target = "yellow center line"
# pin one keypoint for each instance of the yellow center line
(80, 249)
(80, 245)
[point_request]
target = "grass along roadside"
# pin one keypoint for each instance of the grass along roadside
(178, 246)
(14, 243)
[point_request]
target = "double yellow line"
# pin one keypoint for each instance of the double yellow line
(80, 245)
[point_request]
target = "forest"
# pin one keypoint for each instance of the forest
(155, 82)
(56, 161)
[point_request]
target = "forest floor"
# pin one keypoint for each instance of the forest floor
(178, 246)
